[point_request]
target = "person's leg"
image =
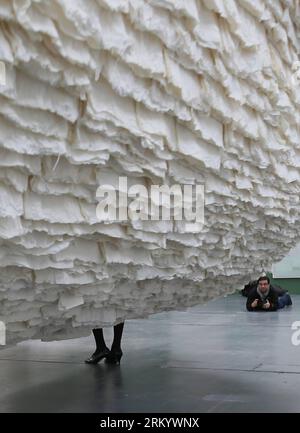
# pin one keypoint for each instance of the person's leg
(99, 339)
(101, 349)
(118, 332)
(281, 303)
(284, 300)
(116, 352)
(288, 299)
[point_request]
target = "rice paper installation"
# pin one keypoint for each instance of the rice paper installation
(160, 92)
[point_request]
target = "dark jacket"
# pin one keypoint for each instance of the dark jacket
(272, 298)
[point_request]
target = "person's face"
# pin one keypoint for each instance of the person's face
(263, 286)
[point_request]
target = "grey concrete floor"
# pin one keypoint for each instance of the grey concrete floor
(212, 358)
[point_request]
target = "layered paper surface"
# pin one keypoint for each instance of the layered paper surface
(162, 92)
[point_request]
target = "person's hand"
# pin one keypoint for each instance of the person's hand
(254, 303)
(266, 306)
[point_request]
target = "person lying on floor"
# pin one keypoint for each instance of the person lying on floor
(263, 297)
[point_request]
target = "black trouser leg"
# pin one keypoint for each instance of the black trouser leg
(118, 331)
(99, 339)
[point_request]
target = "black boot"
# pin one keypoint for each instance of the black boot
(101, 350)
(114, 356)
(97, 356)
(116, 353)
